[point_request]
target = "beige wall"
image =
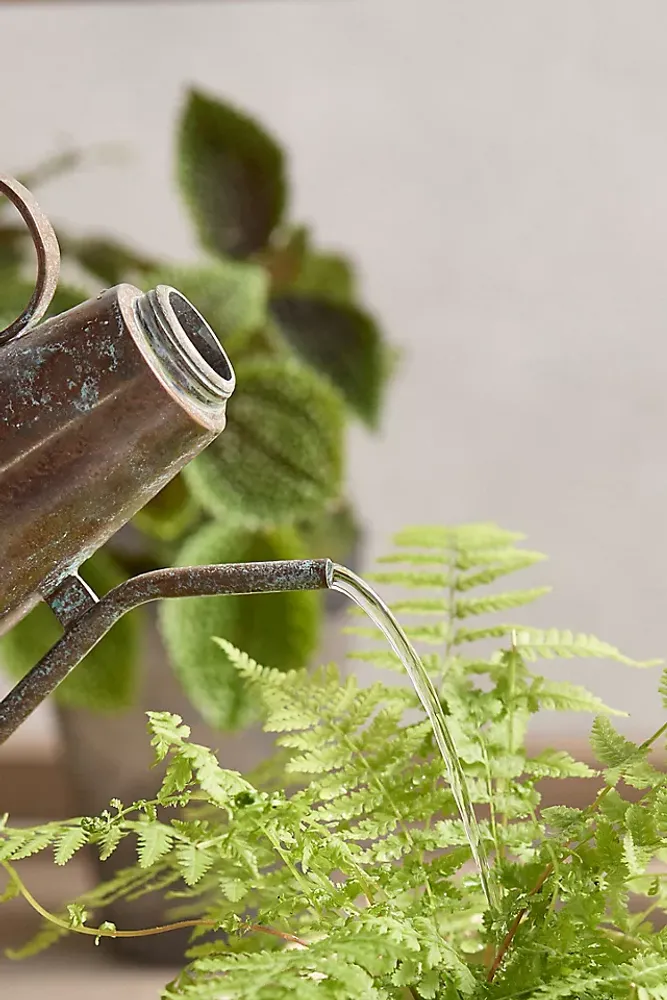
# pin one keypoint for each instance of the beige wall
(500, 170)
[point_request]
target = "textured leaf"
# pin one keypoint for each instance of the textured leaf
(498, 602)
(341, 342)
(280, 457)
(194, 862)
(558, 764)
(280, 629)
(328, 276)
(610, 747)
(507, 561)
(105, 680)
(167, 732)
(154, 841)
(534, 643)
(639, 824)
(663, 687)
(68, 843)
(478, 540)
(561, 696)
(109, 842)
(231, 174)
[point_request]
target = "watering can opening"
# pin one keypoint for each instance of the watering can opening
(201, 337)
(183, 352)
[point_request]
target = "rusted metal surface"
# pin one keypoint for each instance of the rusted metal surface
(48, 257)
(99, 408)
(85, 631)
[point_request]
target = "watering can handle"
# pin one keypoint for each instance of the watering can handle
(48, 257)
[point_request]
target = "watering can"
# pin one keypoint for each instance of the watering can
(100, 408)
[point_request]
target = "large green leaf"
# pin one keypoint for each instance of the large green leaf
(105, 679)
(340, 341)
(327, 276)
(276, 629)
(280, 457)
(230, 295)
(231, 174)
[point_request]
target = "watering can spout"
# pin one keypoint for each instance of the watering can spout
(100, 407)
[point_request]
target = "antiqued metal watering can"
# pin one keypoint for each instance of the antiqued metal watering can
(99, 408)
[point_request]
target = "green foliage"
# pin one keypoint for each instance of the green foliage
(346, 875)
(105, 680)
(232, 176)
(280, 456)
(277, 628)
(340, 341)
(307, 355)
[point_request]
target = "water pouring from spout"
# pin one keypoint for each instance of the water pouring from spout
(346, 582)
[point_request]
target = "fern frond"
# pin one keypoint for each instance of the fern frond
(505, 562)
(563, 644)
(193, 861)
(558, 764)
(466, 607)
(346, 872)
(562, 696)
(467, 537)
(154, 841)
(68, 842)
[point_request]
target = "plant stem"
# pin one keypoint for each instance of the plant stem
(602, 794)
(113, 932)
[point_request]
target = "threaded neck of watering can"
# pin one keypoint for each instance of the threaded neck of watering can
(186, 352)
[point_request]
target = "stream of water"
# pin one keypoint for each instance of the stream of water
(347, 582)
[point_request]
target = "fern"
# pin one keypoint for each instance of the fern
(342, 869)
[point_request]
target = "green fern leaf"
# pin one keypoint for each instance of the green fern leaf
(662, 688)
(68, 843)
(31, 843)
(507, 561)
(476, 634)
(154, 841)
(167, 730)
(535, 643)
(110, 841)
(558, 764)
(421, 606)
(417, 580)
(561, 696)
(194, 862)
(498, 602)
(414, 558)
(611, 748)
(641, 827)
(465, 536)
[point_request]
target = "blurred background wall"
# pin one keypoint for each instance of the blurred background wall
(500, 173)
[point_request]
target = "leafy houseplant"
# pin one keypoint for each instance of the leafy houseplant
(341, 870)
(307, 357)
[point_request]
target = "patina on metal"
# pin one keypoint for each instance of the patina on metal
(87, 619)
(99, 408)
(48, 257)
